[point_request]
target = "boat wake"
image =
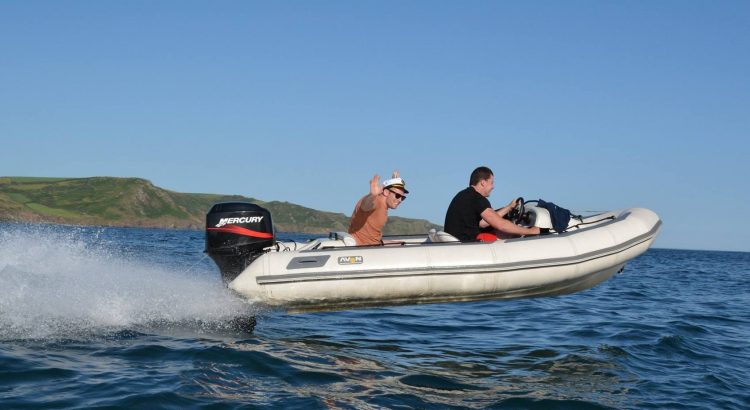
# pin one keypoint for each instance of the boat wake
(68, 283)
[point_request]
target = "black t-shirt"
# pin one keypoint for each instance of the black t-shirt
(464, 214)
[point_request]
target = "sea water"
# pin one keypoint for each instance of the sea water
(123, 318)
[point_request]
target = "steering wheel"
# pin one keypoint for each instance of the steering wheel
(516, 214)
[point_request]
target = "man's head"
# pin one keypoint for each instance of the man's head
(395, 192)
(483, 180)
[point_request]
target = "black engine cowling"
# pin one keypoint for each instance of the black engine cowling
(236, 234)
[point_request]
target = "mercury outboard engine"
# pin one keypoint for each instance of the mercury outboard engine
(236, 234)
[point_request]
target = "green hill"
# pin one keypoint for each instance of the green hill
(135, 202)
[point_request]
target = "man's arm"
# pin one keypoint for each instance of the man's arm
(491, 218)
(500, 212)
(375, 189)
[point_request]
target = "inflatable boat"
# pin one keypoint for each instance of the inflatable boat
(332, 273)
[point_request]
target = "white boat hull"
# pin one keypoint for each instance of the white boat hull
(327, 275)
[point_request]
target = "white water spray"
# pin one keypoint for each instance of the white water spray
(57, 283)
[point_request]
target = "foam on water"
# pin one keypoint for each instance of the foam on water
(62, 283)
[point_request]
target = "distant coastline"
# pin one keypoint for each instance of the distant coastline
(136, 202)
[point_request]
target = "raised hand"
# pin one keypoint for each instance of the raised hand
(368, 204)
(375, 187)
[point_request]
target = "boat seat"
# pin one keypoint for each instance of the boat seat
(440, 236)
(344, 237)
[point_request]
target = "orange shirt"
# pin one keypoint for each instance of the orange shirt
(367, 227)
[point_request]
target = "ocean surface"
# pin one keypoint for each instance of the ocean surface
(139, 318)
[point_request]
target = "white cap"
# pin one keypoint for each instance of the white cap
(396, 182)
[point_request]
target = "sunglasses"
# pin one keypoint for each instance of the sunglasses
(397, 195)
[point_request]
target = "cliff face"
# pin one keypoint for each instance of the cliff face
(135, 202)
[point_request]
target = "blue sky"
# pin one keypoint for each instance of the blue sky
(593, 105)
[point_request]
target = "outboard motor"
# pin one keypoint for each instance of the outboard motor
(236, 234)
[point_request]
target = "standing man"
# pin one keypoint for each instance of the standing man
(371, 212)
(470, 211)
